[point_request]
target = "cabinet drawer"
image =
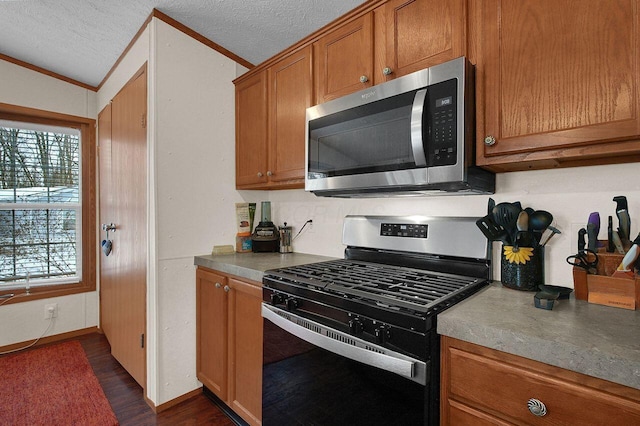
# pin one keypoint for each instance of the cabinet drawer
(503, 388)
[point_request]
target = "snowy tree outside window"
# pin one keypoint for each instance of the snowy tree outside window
(40, 205)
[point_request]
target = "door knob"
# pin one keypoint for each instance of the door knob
(108, 227)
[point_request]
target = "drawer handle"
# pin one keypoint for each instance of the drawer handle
(537, 407)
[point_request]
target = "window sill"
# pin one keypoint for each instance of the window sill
(45, 293)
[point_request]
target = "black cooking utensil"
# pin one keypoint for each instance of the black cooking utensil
(539, 220)
(492, 230)
(506, 215)
(545, 299)
(524, 237)
(490, 205)
(563, 292)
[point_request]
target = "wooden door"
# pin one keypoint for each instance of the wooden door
(557, 80)
(212, 332)
(245, 350)
(416, 34)
(290, 94)
(344, 59)
(123, 181)
(251, 131)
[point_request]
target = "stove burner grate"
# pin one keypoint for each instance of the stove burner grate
(391, 286)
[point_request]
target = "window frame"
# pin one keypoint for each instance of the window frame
(87, 129)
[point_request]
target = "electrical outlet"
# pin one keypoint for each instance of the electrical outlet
(50, 310)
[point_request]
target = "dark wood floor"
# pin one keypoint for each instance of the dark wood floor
(126, 399)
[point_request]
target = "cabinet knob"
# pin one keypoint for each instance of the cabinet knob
(226, 288)
(260, 174)
(218, 285)
(364, 79)
(537, 407)
(269, 173)
(387, 71)
(489, 140)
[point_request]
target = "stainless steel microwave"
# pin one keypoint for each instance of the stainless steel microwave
(409, 136)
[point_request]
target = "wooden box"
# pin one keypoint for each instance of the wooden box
(603, 289)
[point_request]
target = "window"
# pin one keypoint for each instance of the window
(47, 203)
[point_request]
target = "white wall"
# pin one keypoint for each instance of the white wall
(569, 194)
(191, 177)
(194, 178)
(22, 322)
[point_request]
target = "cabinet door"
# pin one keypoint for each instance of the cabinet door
(343, 59)
(483, 386)
(415, 34)
(557, 80)
(251, 130)
(290, 94)
(211, 332)
(245, 350)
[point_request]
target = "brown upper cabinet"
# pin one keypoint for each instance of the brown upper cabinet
(557, 82)
(415, 34)
(395, 39)
(344, 59)
(270, 124)
(251, 131)
(290, 94)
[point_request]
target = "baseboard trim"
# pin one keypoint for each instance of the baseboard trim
(51, 339)
(166, 405)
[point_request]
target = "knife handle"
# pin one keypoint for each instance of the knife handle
(581, 242)
(624, 224)
(610, 244)
(592, 237)
(629, 258)
(617, 242)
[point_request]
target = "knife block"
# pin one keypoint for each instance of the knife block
(602, 289)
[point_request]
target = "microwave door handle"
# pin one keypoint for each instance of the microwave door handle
(416, 128)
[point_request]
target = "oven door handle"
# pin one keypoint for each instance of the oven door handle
(389, 361)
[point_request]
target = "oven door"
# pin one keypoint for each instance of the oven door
(314, 375)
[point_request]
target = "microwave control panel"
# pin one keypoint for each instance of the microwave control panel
(441, 108)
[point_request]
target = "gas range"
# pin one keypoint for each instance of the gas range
(353, 340)
(389, 291)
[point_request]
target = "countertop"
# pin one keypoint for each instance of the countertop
(596, 340)
(599, 341)
(252, 265)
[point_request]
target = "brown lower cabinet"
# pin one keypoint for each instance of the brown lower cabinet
(229, 341)
(482, 386)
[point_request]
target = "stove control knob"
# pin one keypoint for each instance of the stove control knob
(382, 334)
(277, 298)
(355, 326)
(292, 304)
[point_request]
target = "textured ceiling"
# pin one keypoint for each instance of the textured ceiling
(82, 39)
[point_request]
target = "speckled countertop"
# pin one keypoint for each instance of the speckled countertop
(599, 341)
(252, 265)
(596, 340)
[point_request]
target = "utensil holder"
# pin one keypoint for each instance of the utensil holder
(522, 268)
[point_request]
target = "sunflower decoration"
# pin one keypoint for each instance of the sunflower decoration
(518, 255)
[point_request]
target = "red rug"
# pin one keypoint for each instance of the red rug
(53, 385)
